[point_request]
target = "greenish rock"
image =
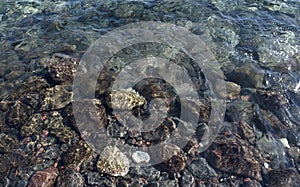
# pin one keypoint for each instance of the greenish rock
(223, 30)
(58, 129)
(33, 125)
(113, 162)
(57, 97)
(232, 90)
(226, 5)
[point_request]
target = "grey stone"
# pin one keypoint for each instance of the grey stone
(201, 169)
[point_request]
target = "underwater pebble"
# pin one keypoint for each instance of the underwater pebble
(43, 178)
(113, 162)
(202, 170)
(285, 142)
(124, 99)
(266, 165)
(140, 157)
(171, 158)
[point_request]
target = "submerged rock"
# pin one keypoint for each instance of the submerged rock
(44, 178)
(170, 158)
(57, 97)
(284, 178)
(202, 170)
(60, 67)
(69, 177)
(248, 76)
(235, 156)
(140, 157)
(124, 99)
(77, 155)
(113, 162)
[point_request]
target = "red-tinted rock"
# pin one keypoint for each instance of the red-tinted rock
(44, 178)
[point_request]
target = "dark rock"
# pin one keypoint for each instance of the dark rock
(239, 111)
(60, 67)
(284, 178)
(235, 156)
(18, 114)
(251, 183)
(94, 178)
(171, 158)
(202, 170)
(187, 179)
(69, 177)
(77, 154)
(173, 183)
(149, 173)
(248, 76)
(272, 149)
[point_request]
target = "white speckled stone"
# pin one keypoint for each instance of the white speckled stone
(140, 157)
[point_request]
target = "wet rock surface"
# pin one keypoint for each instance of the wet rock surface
(112, 161)
(42, 143)
(44, 177)
(284, 177)
(235, 156)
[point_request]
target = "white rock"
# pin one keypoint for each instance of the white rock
(266, 165)
(140, 157)
(285, 142)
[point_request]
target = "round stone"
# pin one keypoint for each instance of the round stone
(140, 157)
(113, 162)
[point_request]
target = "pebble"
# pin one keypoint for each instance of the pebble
(266, 165)
(285, 143)
(113, 162)
(201, 169)
(44, 178)
(140, 157)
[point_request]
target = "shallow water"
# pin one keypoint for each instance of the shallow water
(256, 44)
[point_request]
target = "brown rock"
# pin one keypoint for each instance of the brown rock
(235, 156)
(172, 158)
(44, 178)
